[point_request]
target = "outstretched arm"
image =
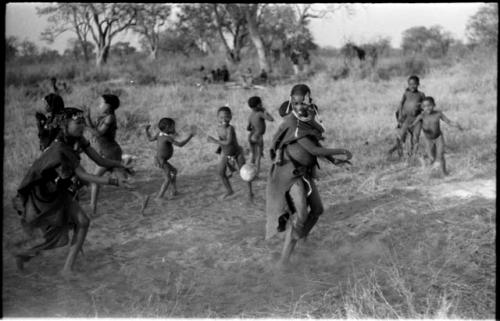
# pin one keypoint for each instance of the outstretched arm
(181, 143)
(267, 116)
(419, 118)
(230, 135)
(450, 122)
(101, 161)
(316, 150)
(102, 180)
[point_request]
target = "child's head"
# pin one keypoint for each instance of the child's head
(428, 104)
(167, 125)
(413, 82)
(53, 103)
(255, 102)
(109, 103)
(299, 94)
(73, 122)
(224, 114)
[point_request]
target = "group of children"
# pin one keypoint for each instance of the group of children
(415, 113)
(47, 197)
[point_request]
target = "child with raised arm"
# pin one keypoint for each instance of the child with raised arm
(165, 139)
(257, 128)
(409, 108)
(231, 153)
(433, 136)
(43, 200)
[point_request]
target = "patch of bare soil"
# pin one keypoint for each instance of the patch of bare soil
(196, 256)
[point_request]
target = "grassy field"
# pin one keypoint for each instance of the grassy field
(394, 242)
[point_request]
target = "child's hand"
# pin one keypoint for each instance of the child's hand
(347, 154)
(125, 183)
(40, 116)
(147, 126)
(211, 139)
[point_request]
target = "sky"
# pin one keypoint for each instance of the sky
(369, 22)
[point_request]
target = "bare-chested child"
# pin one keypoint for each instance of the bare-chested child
(409, 109)
(257, 128)
(433, 136)
(166, 138)
(231, 153)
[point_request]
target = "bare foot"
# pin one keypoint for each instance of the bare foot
(69, 274)
(145, 202)
(225, 196)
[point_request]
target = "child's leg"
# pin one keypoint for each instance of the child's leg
(428, 149)
(82, 223)
(166, 182)
(258, 150)
(95, 190)
(221, 169)
(315, 206)
(440, 153)
(173, 178)
(415, 138)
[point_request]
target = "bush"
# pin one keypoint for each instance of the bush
(415, 65)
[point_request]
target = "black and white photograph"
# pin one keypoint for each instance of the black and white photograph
(250, 160)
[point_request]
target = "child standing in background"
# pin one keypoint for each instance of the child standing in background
(257, 128)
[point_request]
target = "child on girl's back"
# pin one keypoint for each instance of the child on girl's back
(231, 152)
(166, 138)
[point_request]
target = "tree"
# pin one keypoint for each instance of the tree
(231, 19)
(433, 41)
(47, 54)
(196, 22)
(64, 17)
(28, 48)
(151, 17)
(11, 47)
(482, 27)
(251, 17)
(77, 50)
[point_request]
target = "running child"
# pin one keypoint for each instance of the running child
(43, 201)
(165, 139)
(409, 108)
(291, 184)
(231, 153)
(433, 136)
(257, 128)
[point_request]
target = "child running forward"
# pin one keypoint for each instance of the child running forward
(409, 108)
(291, 186)
(433, 136)
(47, 124)
(231, 153)
(257, 128)
(165, 139)
(43, 200)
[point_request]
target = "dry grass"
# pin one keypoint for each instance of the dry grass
(405, 257)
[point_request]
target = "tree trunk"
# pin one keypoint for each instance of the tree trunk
(230, 57)
(102, 56)
(153, 54)
(257, 41)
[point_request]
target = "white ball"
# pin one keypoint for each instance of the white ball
(248, 172)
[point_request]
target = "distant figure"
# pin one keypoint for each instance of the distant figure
(294, 56)
(257, 128)
(164, 151)
(307, 61)
(224, 74)
(263, 76)
(247, 78)
(53, 82)
(231, 153)
(214, 75)
(408, 110)
(218, 75)
(433, 136)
